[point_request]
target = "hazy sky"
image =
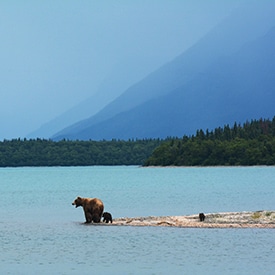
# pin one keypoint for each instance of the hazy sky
(54, 54)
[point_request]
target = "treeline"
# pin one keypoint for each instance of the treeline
(42, 152)
(252, 143)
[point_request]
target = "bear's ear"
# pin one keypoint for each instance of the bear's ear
(78, 197)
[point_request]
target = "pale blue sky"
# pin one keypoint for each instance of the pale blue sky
(54, 53)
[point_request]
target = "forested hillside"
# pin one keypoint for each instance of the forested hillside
(41, 152)
(253, 143)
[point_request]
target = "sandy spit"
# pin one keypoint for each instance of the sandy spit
(256, 219)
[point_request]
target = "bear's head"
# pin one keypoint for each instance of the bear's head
(77, 202)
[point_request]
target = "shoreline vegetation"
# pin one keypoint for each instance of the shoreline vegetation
(250, 144)
(246, 219)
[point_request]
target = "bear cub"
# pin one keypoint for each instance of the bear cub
(107, 217)
(202, 217)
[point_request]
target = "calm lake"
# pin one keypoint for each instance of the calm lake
(41, 232)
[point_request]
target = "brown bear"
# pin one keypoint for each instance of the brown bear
(93, 208)
(202, 217)
(107, 217)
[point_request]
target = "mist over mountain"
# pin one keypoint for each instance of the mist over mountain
(113, 81)
(227, 76)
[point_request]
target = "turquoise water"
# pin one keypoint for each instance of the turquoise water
(41, 232)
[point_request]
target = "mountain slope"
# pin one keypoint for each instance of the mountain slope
(118, 80)
(82, 110)
(174, 97)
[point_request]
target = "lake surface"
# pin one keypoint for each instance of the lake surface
(41, 232)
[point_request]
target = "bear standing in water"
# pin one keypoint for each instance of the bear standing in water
(107, 217)
(93, 208)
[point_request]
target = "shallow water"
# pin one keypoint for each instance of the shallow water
(43, 233)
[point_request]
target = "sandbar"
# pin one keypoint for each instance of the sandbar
(245, 219)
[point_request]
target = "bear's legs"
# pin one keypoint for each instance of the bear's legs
(88, 217)
(108, 219)
(96, 218)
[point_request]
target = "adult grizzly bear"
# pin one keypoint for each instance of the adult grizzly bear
(93, 208)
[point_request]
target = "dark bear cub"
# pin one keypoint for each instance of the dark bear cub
(107, 217)
(202, 217)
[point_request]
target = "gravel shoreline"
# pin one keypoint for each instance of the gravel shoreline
(255, 219)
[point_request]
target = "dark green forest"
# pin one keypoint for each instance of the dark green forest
(252, 143)
(41, 152)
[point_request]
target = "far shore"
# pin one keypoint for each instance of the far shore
(246, 219)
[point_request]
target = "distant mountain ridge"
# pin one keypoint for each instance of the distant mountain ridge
(93, 104)
(227, 76)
